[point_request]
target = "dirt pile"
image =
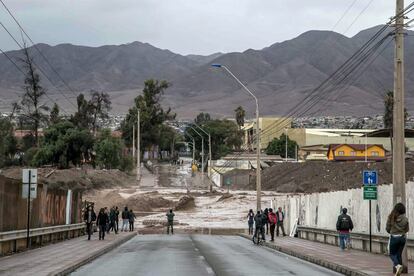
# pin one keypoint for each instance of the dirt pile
(310, 177)
(76, 178)
(224, 197)
(185, 203)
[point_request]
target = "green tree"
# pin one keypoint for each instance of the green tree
(152, 116)
(8, 143)
(108, 150)
(225, 137)
(31, 102)
(278, 147)
(54, 116)
(240, 114)
(99, 105)
(202, 118)
(64, 144)
(83, 116)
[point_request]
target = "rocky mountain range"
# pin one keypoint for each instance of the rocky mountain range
(281, 75)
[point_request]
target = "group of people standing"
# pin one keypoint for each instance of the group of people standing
(108, 220)
(397, 226)
(268, 220)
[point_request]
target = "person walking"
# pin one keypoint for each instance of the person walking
(116, 219)
(112, 217)
(258, 224)
(266, 220)
(280, 218)
(344, 225)
(170, 222)
(272, 218)
(102, 222)
(397, 226)
(125, 219)
(89, 217)
(250, 221)
(131, 219)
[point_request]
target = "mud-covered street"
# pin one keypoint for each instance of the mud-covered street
(173, 187)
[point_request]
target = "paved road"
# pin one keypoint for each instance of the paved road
(196, 255)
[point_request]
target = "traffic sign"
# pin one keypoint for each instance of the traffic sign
(370, 192)
(33, 190)
(370, 177)
(228, 181)
(29, 173)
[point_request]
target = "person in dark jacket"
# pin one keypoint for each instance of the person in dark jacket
(170, 222)
(259, 225)
(266, 220)
(280, 219)
(250, 221)
(397, 226)
(102, 222)
(125, 219)
(272, 219)
(89, 217)
(112, 217)
(131, 218)
(344, 226)
(116, 219)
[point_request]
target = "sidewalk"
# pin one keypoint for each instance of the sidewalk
(352, 262)
(62, 257)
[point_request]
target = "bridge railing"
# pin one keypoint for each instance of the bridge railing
(14, 241)
(359, 241)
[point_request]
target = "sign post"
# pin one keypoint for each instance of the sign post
(370, 181)
(29, 177)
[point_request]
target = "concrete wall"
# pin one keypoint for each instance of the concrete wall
(48, 209)
(321, 210)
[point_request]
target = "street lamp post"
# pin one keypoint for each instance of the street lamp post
(209, 154)
(202, 153)
(193, 146)
(258, 169)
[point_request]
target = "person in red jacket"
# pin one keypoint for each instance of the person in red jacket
(272, 218)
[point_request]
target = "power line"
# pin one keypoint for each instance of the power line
(24, 74)
(38, 67)
(37, 48)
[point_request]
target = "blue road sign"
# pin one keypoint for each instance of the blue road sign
(370, 177)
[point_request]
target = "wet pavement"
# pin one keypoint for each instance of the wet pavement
(196, 255)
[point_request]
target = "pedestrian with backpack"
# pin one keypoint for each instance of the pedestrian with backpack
(272, 218)
(344, 226)
(397, 226)
(259, 225)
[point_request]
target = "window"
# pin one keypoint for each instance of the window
(341, 153)
(353, 153)
(374, 153)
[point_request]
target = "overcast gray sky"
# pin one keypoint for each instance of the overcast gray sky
(186, 26)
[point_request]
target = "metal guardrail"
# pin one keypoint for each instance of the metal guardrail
(354, 235)
(35, 232)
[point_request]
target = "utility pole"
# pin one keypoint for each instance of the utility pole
(209, 154)
(398, 116)
(133, 141)
(398, 155)
(138, 147)
(286, 143)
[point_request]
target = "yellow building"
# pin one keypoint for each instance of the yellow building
(356, 152)
(270, 127)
